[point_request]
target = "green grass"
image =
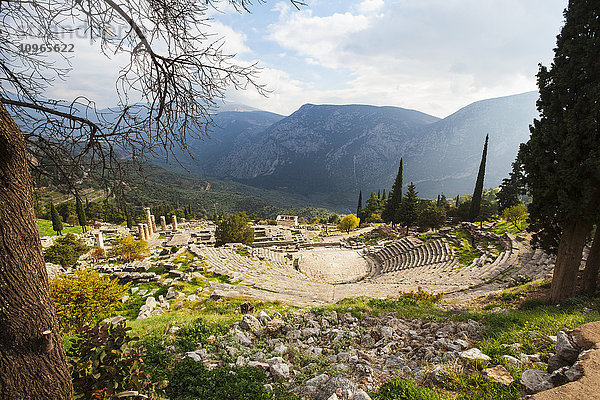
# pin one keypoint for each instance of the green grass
(45, 228)
(507, 227)
(466, 252)
(399, 389)
(219, 313)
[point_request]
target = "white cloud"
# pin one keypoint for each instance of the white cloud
(318, 38)
(370, 6)
(433, 55)
(234, 42)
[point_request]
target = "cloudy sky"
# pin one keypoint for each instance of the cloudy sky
(435, 56)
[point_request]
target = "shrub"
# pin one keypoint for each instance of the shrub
(84, 298)
(234, 229)
(192, 380)
(130, 249)
(65, 251)
(98, 254)
(104, 363)
(399, 389)
(196, 332)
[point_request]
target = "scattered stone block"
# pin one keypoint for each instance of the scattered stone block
(534, 381)
(474, 354)
(499, 374)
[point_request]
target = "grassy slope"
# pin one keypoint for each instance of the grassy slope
(45, 228)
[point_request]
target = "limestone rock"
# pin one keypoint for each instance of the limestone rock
(360, 395)
(499, 374)
(565, 349)
(242, 338)
(474, 354)
(278, 368)
(250, 323)
(338, 385)
(534, 381)
(194, 356)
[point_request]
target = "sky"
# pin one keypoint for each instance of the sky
(434, 56)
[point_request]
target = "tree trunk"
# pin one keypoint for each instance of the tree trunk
(592, 266)
(568, 260)
(32, 360)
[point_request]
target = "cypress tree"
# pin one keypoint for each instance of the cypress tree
(383, 196)
(379, 194)
(392, 206)
(359, 207)
(57, 224)
(457, 201)
(128, 218)
(81, 218)
(560, 159)
(437, 204)
(476, 200)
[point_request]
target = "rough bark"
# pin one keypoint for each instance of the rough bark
(568, 260)
(32, 360)
(592, 265)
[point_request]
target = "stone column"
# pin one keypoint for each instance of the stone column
(141, 231)
(146, 232)
(153, 223)
(100, 240)
(163, 223)
(174, 222)
(148, 220)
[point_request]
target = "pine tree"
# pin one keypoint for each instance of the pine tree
(408, 213)
(81, 218)
(359, 207)
(379, 194)
(562, 172)
(383, 196)
(476, 200)
(57, 224)
(392, 206)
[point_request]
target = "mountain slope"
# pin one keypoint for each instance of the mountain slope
(328, 152)
(322, 150)
(447, 159)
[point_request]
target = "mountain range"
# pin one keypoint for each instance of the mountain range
(327, 153)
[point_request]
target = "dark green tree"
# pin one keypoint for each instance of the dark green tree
(81, 218)
(512, 188)
(373, 210)
(234, 229)
(65, 251)
(57, 224)
(392, 206)
(476, 200)
(359, 211)
(409, 211)
(457, 201)
(444, 203)
(432, 217)
(128, 218)
(383, 196)
(562, 157)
